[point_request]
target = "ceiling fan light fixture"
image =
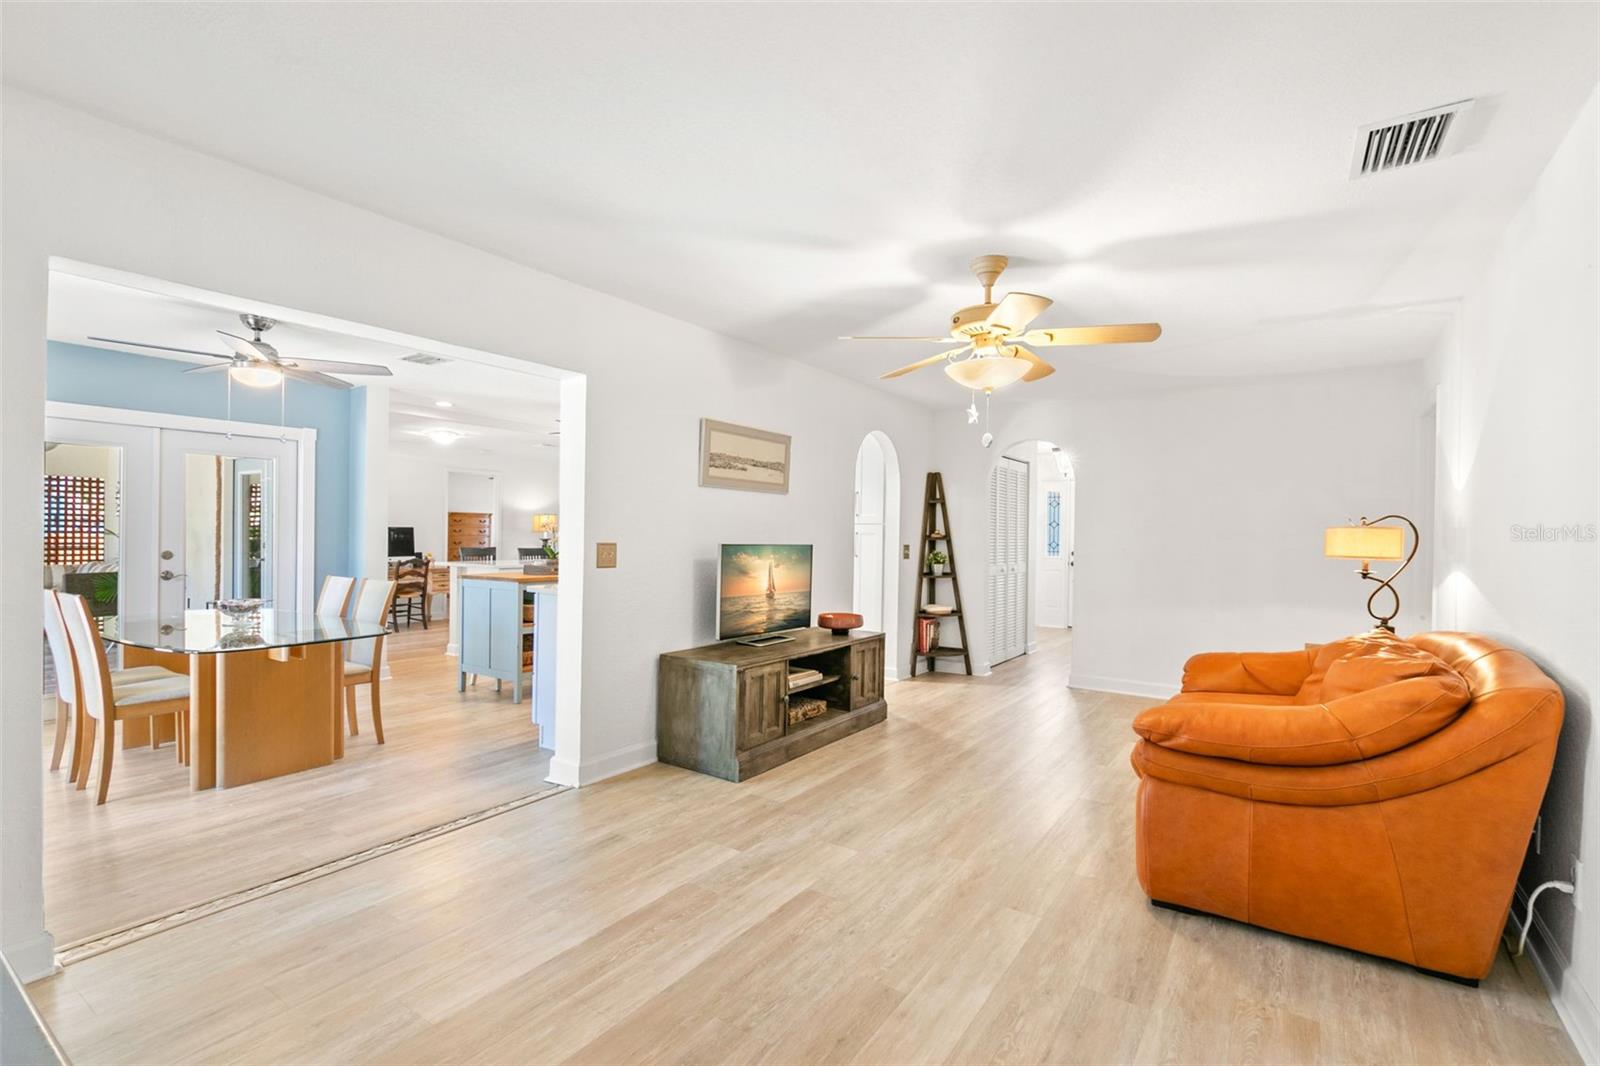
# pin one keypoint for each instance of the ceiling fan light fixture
(256, 377)
(444, 437)
(987, 372)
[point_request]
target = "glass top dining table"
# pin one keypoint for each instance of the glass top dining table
(210, 632)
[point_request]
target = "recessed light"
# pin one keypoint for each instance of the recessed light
(444, 437)
(443, 403)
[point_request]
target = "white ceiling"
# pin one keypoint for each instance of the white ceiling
(787, 173)
(498, 411)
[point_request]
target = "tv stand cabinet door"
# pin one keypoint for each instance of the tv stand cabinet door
(866, 673)
(763, 703)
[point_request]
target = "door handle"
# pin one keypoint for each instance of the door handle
(168, 575)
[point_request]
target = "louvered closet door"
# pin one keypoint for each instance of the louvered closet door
(1008, 560)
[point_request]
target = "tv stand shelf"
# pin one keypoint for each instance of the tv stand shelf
(724, 709)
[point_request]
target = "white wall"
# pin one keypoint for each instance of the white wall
(1200, 514)
(1517, 388)
(87, 190)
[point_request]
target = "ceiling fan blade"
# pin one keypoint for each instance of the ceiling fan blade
(1039, 369)
(247, 347)
(1133, 333)
(210, 368)
(1012, 314)
(313, 377)
(336, 366)
(919, 364)
(160, 347)
(936, 340)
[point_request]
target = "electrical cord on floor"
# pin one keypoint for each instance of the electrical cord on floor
(1522, 939)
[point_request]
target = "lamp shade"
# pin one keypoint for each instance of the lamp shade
(544, 523)
(987, 371)
(1364, 542)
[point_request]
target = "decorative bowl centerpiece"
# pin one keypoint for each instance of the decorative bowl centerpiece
(241, 614)
(840, 622)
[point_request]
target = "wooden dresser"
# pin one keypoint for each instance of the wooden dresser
(467, 529)
(724, 709)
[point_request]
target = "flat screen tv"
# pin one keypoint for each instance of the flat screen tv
(763, 589)
(402, 541)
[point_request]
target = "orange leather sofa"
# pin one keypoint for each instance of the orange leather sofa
(1377, 793)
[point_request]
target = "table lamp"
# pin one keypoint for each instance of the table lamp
(545, 526)
(1371, 542)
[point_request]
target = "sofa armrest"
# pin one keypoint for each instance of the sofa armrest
(1263, 673)
(1470, 744)
(1348, 729)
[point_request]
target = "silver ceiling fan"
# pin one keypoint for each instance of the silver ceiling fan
(256, 363)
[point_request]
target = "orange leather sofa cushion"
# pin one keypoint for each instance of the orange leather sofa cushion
(1353, 700)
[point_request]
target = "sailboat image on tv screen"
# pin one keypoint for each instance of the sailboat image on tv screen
(764, 588)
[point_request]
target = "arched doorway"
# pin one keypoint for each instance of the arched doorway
(875, 587)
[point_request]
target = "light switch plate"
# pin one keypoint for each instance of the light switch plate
(605, 555)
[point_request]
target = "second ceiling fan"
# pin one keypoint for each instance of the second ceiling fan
(256, 363)
(992, 336)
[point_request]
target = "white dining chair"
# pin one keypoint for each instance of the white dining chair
(363, 660)
(68, 706)
(106, 704)
(334, 599)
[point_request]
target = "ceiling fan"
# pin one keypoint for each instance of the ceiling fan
(991, 336)
(256, 363)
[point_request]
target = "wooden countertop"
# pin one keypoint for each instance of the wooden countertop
(516, 577)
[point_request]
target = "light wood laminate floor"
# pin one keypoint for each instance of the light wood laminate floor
(156, 846)
(955, 885)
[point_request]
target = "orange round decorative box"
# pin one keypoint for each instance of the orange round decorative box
(840, 622)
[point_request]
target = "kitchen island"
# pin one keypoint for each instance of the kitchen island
(508, 632)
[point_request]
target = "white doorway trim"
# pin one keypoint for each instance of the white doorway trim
(890, 549)
(306, 472)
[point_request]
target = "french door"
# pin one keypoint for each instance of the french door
(1007, 569)
(229, 511)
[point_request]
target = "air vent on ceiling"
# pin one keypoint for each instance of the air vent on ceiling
(1408, 140)
(424, 359)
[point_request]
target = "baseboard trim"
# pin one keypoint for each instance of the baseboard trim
(607, 764)
(1121, 685)
(1578, 1013)
(33, 958)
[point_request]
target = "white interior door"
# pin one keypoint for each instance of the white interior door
(228, 520)
(869, 534)
(1008, 560)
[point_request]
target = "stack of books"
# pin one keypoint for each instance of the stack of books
(801, 677)
(927, 635)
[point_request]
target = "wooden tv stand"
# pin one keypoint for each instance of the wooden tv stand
(724, 709)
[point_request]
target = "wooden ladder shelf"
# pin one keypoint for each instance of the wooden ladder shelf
(935, 531)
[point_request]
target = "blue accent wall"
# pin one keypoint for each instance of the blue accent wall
(80, 374)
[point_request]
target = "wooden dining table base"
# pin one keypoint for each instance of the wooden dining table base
(258, 714)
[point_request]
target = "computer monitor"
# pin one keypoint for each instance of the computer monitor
(402, 541)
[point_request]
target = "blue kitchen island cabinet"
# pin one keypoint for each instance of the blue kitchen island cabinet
(500, 622)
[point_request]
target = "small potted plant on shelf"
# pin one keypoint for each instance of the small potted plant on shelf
(936, 561)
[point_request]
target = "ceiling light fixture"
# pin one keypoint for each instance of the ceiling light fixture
(988, 369)
(257, 377)
(444, 437)
(443, 403)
